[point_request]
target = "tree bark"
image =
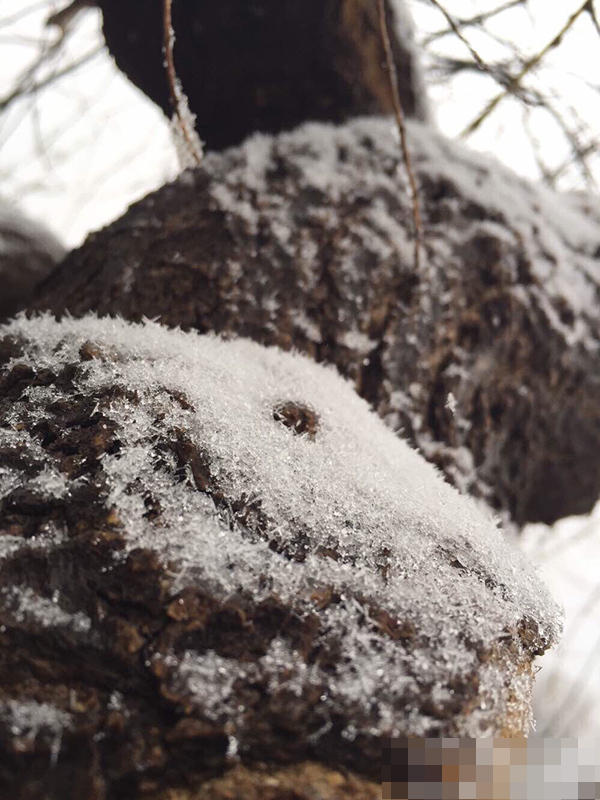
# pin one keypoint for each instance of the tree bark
(486, 358)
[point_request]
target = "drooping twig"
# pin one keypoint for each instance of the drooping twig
(178, 99)
(399, 114)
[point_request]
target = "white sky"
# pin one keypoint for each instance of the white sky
(77, 154)
(570, 76)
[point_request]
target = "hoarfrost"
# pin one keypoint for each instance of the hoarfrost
(27, 719)
(551, 227)
(25, 604)
(404, 540)
(209, 679)
(451, 403)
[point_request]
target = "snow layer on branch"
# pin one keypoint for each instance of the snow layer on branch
(348, 507)
(28, 720)
(552, 227)
(305, 239)
(24, 603)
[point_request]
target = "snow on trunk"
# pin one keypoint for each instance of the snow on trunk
(229, 528)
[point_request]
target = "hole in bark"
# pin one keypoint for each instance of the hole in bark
(524, 273)
(469, 335)
(567, 317)
(497, 411)
(300, 418)
(441, 189)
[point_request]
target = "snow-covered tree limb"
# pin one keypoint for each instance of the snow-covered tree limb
(215, 558)
(487, 358)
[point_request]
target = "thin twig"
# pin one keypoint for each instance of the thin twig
(572, 135)
(24, 12)
(399, 114)
(64, 18)
(22, 90)
(454, 26)
(591, 11)
(178, 99)
(526, 68)
(470, 22)
(443, 67)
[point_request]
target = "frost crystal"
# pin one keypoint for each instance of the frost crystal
(345, 523)
(25, 604)
(28, 720)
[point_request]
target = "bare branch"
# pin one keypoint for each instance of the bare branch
(530, 64)
(181, 111)
(594, 17)
(22, 90)
(64, 18)
(455, 28)
(476, 20)
(399, 114)
(11, 19)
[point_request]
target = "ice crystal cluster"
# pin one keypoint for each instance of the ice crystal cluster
(342, 509)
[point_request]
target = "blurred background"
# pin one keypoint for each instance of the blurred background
(519, 79)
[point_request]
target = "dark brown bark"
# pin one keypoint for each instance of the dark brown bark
(487, 359)
(265, 66)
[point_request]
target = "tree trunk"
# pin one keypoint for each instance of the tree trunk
(221, 574)
(268, 65)
(486, 357)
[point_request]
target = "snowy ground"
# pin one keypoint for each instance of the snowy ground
(75, 155)
(567, 699)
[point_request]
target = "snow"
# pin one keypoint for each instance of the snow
(188, 145)
(26, 605)
(354, 487)
(551, 225)
(451, 403)
(567, 693)
(28, 719)
(558, 232)
(356, 340)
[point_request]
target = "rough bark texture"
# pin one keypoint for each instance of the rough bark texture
(268, 65)
(306, 781)
(28, 252)
(487, 358)
(138, 661)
